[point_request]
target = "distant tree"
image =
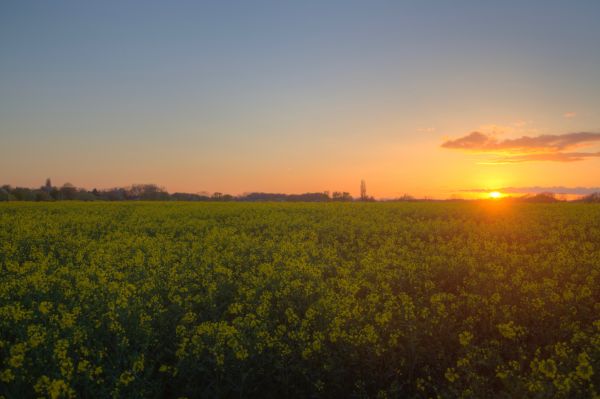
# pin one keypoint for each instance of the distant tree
(115, 194)
(147, 192)
(363, 190)
(83, 195)
(406, 197)
(4, 194)
(217, 196)
(68, 191)
(591, 198)
(307, 197)
(48, 186)
(341, 196)
(541, 197)
(56, 194)
(263, 197)
(189, 197)
(42, 195)
(23, 194)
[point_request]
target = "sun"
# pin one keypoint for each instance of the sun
(495, 194)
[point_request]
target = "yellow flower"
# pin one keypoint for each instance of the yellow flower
(126, 377)
(7, 376)
(138, 365)
(561, 349)
(584, 369)
(465, 338)
(548, 368)
(82, 366)
(45, 307)
(509, 330)
(451, 375)
(36, 335)
(501, 374)
(42, 383)
(57, 389)
(17, 355)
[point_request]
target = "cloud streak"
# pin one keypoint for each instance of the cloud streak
(539, 190)
(555, 157)
(547, 147)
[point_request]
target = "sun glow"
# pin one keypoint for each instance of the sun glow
(495, 194)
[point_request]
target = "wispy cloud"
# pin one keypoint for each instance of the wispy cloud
(477, 141)
(538, 190)
(547, 147)
(570, 115)
(553, 156)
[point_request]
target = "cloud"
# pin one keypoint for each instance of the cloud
(477, 141)
(538, 190)
(552, 156)
(570, 115)
(547, 147)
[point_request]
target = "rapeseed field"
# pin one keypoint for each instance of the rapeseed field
(474, 299)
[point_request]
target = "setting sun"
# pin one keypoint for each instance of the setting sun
(495, 194)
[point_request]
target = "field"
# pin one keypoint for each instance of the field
(481, 299)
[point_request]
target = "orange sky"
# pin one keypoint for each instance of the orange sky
(301, 97)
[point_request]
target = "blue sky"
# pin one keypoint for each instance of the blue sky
(292, 96)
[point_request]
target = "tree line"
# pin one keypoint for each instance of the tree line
(153, 192)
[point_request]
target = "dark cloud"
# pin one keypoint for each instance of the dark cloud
(547, 147)
(538, 190)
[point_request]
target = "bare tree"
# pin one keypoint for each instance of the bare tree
(363, 190)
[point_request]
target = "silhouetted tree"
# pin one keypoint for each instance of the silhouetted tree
(115, 194)
(4, 194)
(23, 194)
(56, 194)
(591, 198)
(42, 195)
(363, 190)
(68, 191)
(48, 186)
(341, 196)
(147, 192)
(541, 197)
(189, 197)
(406, 197)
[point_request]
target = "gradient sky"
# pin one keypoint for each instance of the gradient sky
(282, 96)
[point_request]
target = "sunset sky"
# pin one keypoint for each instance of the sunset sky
(430, 98)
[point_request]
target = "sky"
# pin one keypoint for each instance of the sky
(429, 98)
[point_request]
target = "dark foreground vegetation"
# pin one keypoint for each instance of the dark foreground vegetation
(272, 300)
